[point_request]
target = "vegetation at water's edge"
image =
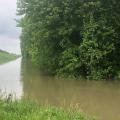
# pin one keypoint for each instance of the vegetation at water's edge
(72, 37)
(33, 111)
(6, 57)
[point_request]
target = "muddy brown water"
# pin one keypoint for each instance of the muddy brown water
(94, 98)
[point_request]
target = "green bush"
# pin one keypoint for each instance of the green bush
(72, 38)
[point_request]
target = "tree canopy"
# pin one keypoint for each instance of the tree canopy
(79, 38)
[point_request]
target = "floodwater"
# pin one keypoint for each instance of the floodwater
(10, 78)
(94, 98)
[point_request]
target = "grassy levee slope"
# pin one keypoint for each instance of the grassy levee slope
(6, 57)
(34, 111)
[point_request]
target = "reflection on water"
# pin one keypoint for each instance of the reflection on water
(10, 78)
(101, 99)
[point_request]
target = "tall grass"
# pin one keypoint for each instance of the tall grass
(24, 110)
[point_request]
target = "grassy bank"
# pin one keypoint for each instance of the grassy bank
(33, 111)
(6, 57)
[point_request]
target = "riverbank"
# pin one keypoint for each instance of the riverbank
(6, 57)
(33, 111)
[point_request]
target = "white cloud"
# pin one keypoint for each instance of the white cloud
(8, 29)
(9, 44)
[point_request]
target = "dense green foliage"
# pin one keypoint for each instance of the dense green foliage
(6, 57)
(72, 38)
(33, 111)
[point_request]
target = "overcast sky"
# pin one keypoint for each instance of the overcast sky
(9, 33)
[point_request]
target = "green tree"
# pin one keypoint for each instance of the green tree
(72, 38)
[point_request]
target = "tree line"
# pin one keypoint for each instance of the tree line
(75, 38)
